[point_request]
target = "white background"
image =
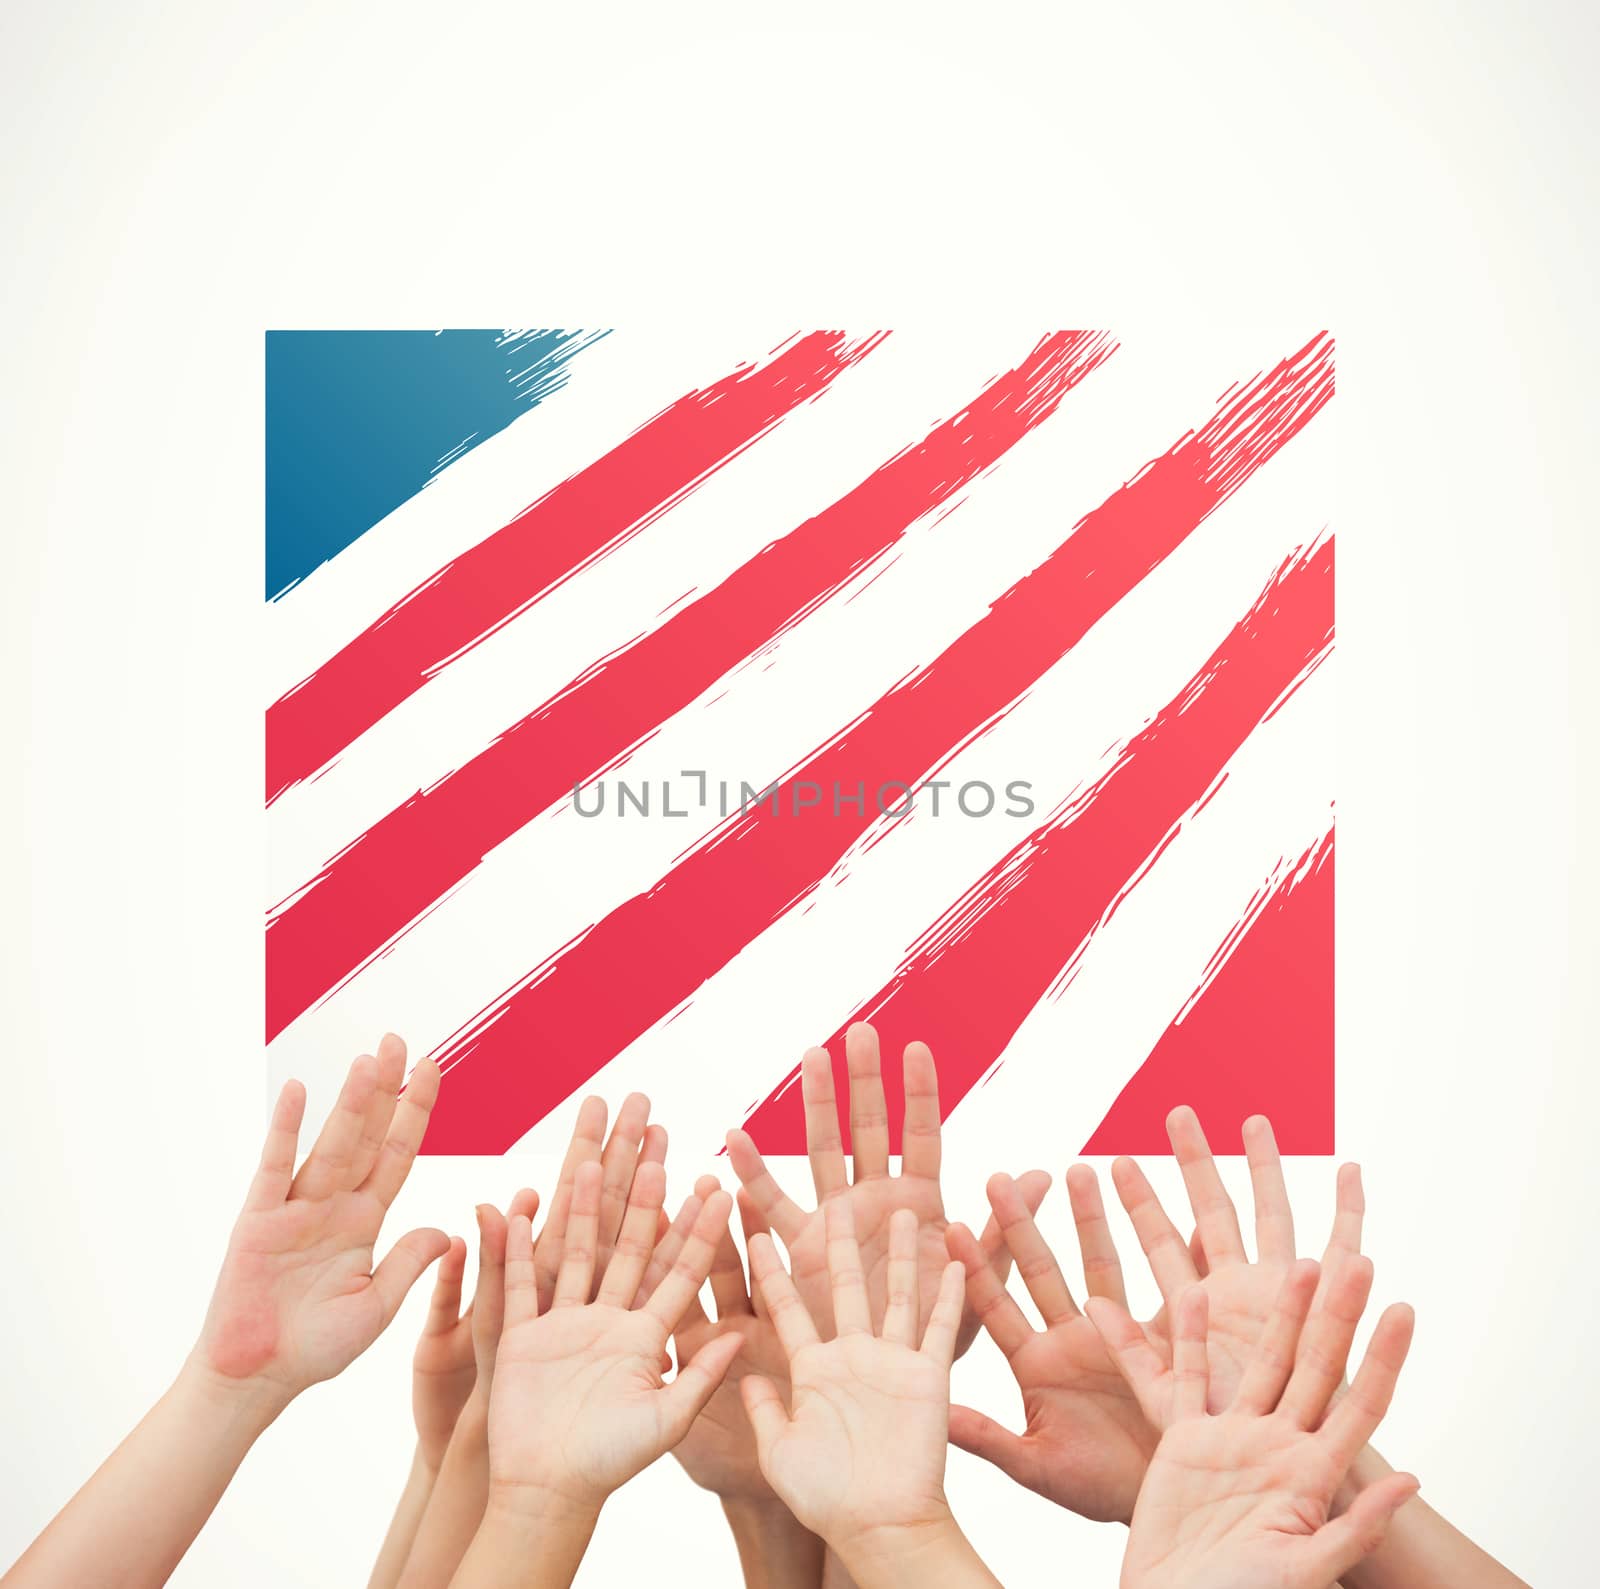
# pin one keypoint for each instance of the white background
(178, 177)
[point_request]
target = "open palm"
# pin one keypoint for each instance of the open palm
(298, 1297)
(874, 1195)
(1085, 1443)
(1240, 1291)
(1243, 1498)
(579, 1404)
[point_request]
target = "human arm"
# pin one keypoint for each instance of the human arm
(858, 1454)
(579, 1404)
(298, 1299)
(461, 1495)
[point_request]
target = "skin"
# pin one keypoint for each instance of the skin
(719, 1451)
(297, 1300)
(1421, 1550)
(460, 1496)
(1241, 1497)
(858, 1452)
(579, 1403)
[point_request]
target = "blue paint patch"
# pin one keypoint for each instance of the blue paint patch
(360, 421)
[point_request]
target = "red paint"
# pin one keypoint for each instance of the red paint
(973, 977)
(373, 891)
(525, 1053)
(588, 515)
(1257, 1040)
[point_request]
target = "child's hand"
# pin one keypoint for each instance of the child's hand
(298, 1298)
(859, 1457)
(874, 1195)
(1087, 1443)
(578, 1405)
(1241, 1499)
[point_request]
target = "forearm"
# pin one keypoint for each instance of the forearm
(527, 1542)
(456, 1505)
(131, 1524)
(403, 1529)
(933, 1555)
(1421, 1550)
(775, 1550)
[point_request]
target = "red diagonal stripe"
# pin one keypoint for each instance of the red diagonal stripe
(373, 891)
(588, 515)
(973, 977)
(1258, 1038)
(546, 1036)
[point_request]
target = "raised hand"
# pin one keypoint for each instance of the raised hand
(1239, 1291)
(1086, 1443)
(858, 1455)
(1241, 1498)
(299, 1298)
(874, 1195)
(579, 1404)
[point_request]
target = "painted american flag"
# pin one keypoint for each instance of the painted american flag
(633, 699)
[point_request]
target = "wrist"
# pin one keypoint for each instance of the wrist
(250, 1403)
(539, 1508)
(774, 1545)
(879, 1551)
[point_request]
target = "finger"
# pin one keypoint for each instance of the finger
(1355, 1420)
(753, 1223)
(575, 1279)
(1274, 1217)
(405, 1134)
(983, 1437)
(823, 1142)
(789, 1315)
(1197, 1253)
(617, 1163)
(1339, 1546)
(685, 1398)
(328, 1163)
(1102, 1268)
(901, 1307)
(583, 1147)
(488, 1300)
(728, 1288)
(869, 1111)
(1190, 1374)
(778, 1209)
(391, 1063)
(995, 1308)
(444, 1307)
(1324, 1349)
(636, 1239)
(671, 1244)
(1036, 1264)
(944, 1321)
(852, 1314)
(689, 1270)
(920, 1129)
(275, 1174)
(520, 1302)
(1261, 1388)
(1164, 1248)
(1031, 1187)
(1135, 1358)
(401, 1270)
(766, 1411)
(1349, 1213)
(653, 1150)
(1208, 1197)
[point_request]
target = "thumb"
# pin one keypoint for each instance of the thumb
(766, 1411)
(684, 1398)
(401, 1270)
(1340, 1545)
(974, 1431)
